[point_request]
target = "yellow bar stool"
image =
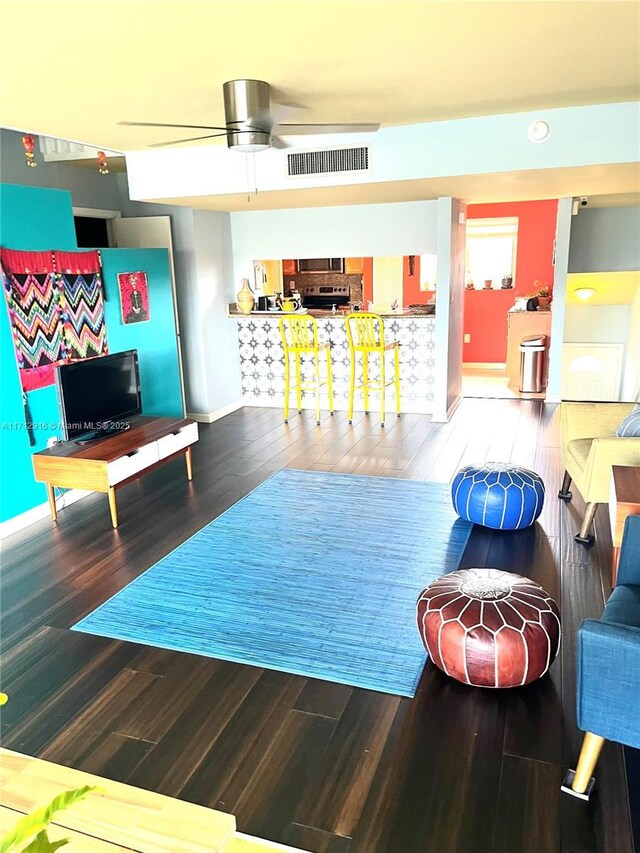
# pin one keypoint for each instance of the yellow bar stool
(365, 334)
(299, 337)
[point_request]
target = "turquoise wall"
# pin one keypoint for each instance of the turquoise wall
(156, 340)
(38, 219)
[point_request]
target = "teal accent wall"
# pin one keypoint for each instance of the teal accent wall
(33, 218)
(156, 340)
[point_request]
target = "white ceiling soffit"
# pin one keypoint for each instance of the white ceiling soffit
(420, 161)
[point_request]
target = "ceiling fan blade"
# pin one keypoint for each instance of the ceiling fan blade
(298, 129)
(191, 139)
(281, 111)
(159, 124)
(276, 142)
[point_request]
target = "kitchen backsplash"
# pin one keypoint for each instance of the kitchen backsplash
(353, 281)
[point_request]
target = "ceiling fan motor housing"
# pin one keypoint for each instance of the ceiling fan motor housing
(247, 109)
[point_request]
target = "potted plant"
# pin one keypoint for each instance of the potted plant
(507, 281)
(32, 828)
(29, 835)
(542, 293)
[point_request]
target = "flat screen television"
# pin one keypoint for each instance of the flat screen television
(98, 396)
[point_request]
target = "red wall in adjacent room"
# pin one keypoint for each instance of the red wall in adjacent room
(411, 293)
(485, 314)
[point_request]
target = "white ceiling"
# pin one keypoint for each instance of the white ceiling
(74, 69)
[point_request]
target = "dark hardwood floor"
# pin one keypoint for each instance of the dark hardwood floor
(324, 767)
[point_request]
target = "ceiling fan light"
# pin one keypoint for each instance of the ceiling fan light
(539, 131)
(584, 293)
(248, 141)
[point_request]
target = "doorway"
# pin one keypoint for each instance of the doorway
(508, 263)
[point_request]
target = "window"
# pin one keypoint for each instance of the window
(428, 271)
(491, 252)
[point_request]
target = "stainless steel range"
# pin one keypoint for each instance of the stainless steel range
(324, 295)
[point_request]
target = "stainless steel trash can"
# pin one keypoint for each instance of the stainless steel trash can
(532, 364)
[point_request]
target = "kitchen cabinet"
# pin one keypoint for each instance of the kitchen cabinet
(525, 324)
(353, 266)
(289, 267)
(387, 282)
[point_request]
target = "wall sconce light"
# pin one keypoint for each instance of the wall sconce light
(103, 166)
(584, 293)
(28, 143)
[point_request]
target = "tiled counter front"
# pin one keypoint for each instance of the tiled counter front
(262, 363)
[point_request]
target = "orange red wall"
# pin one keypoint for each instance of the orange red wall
(411, 293)
(485, 313)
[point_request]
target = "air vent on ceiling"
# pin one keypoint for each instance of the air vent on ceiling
(328, 161)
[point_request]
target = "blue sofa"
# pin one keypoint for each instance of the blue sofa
(608, 682)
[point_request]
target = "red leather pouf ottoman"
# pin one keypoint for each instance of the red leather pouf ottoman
(489, 628)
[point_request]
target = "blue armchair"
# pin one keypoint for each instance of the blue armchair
(608, 682)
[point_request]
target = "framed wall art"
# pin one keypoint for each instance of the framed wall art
(134, 297)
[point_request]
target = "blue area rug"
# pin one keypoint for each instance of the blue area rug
(312, 573)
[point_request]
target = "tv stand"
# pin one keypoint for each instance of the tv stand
(105, 432)
(115, 461)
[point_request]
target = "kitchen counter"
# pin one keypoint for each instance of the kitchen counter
(262, 360)
(320, 312)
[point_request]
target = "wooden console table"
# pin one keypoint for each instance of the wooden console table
(106, 464)
(624, 500)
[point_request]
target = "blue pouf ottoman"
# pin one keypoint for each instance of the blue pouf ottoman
(501, 496)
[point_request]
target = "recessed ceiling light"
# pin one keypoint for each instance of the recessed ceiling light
(584, 292)
(539, 131)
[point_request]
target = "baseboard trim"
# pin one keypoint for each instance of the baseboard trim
(210, 417)
(485, 365)
(442, 417)
(37, 513)
(341, 405)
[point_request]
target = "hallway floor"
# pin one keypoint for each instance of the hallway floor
(491, 383)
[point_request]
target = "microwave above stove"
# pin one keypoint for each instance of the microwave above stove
(321, 265)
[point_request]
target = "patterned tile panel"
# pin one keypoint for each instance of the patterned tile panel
(262, 362)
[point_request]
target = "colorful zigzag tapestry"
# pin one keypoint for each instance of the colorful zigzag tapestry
(33, 299)
(83, 305)
(56, 310)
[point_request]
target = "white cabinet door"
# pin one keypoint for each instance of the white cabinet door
(387, 282)
(592, 372)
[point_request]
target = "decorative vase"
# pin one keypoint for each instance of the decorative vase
(245, 298)
(544, 302)
(488, 284)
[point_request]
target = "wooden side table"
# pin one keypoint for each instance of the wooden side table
(624, 500)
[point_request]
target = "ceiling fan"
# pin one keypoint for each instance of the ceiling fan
(250, 124)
